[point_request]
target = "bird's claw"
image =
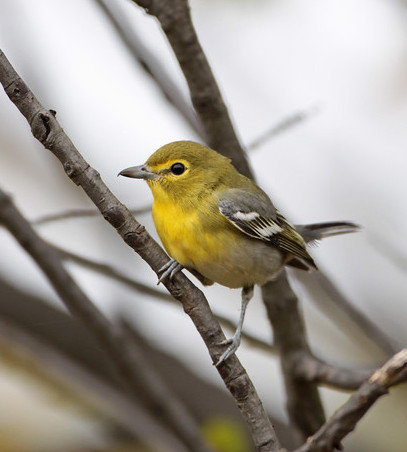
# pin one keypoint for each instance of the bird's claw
(234, 343)
(169, 270)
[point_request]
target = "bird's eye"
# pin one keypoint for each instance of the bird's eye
(178, 168)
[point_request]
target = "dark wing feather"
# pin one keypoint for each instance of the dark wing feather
(251, 212)
(292, 242)
(254, 214)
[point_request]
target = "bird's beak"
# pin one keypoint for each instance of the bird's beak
(139, 172)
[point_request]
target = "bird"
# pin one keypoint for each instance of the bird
(220, 225)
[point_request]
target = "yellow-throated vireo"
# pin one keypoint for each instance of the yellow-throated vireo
(220, 225)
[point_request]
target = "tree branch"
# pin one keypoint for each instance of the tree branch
(151, 64)
(47, 130)
(283, 125)
(329, 436)
(78, 213)
(310, 368)
(372, 331)
(303, 402)
(175, 20)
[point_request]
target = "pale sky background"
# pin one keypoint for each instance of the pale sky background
(271, 59)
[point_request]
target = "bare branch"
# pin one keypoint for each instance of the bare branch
(151, 64)
(48, 131)
(389, 248)
(284, 125)
(78, 213)
(390, 372)
(311, 368)
(303, 402)
(329, 436)
(372, 331)
(175, 20)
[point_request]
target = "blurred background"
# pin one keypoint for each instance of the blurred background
(337, 70)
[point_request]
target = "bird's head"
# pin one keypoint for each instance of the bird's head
(182, 168)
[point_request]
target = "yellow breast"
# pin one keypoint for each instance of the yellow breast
(182, 234)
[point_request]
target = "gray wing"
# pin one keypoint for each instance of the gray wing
(254, 214)
(251, 212)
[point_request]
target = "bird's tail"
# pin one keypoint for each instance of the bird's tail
(318, 231)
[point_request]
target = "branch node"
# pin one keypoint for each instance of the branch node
(132, 238)
(238, 387)
(140, 229)
(45, 120)
(16, 90)
(178, 292)
(75, 169)
(69, 169)
(388, 373)
(115, 216)
(41, 127)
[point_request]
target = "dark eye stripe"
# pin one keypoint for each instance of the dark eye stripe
(178, 168)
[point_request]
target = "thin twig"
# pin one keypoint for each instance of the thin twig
(389, 248)
(78, 213)
(48, 131)
(311, 368)
(151, 64)
(344, 420)
(284, 125)
(372, 331)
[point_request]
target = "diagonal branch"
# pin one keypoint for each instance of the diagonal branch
(329, 436)
(283, 125)
(372, 331)
(303, 402)
(310, 368)
(175, 20)
(151, 64)
(77, 213)
(48, 131)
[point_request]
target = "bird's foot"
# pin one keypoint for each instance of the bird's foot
(169, 270)
(233, 343)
